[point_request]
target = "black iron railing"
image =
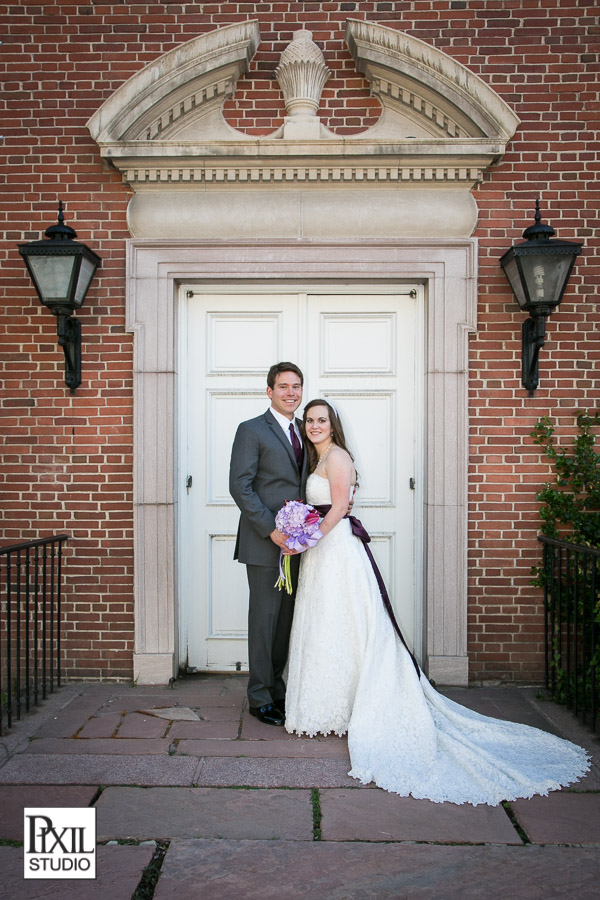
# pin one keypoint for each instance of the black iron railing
(30, 618)
(571, 579)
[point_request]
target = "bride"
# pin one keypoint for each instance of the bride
(349, 671)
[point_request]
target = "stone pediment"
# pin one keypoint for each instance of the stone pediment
(439, 123)
(422, 88)
(179, 96)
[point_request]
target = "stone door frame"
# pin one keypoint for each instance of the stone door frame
(155, 269)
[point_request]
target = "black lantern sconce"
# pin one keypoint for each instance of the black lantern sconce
(61, 270)
(538, 270)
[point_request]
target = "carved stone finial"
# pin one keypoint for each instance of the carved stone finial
(301, 74)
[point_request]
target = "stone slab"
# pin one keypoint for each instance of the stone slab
(131, 701)
(262, 772)
(14, 798)
(136, 725)
(572, 728)
(127, 701)
(376, 815)
(563, 817)
(252, 729)
(173, 713)
(222, 730)
(72, 718)
(119, 869)
(214, 698)
(231, 682)
(145, 813)
(48, 710)
(589, 782)
(302, 747)
(117, 746)
(219, 713)
(229, 870)
(100, 726)
(32, 768)
(509, 703)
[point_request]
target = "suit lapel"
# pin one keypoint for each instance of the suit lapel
(278, 432)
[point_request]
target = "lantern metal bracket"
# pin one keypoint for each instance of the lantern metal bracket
(533, 338)
(69, 338)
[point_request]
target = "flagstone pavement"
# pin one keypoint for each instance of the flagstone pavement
(196, 799)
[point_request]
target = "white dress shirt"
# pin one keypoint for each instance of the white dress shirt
(285, 423)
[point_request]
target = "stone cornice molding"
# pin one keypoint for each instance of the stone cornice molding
(161, 174)
(440, 123)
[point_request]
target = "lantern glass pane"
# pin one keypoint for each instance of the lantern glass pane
(86, 273)
(511, 269)
(545, 275)
(52, 275)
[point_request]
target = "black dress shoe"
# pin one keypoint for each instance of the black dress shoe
(269, 714)
(280, 704)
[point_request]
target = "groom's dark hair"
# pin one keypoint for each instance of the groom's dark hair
(278, 368)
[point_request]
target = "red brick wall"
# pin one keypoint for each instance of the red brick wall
(68, 459)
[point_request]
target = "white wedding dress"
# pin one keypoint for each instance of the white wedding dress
(348, 672)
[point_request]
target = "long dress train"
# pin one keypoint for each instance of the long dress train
(348, 672)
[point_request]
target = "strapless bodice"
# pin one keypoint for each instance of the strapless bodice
(317, 490)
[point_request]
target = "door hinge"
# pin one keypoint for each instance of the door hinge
(411, 483)
(188, 483)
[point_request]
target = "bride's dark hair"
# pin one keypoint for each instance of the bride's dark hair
(337, 432)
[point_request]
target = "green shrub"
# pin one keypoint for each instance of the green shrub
(570, 511)
(570, 507)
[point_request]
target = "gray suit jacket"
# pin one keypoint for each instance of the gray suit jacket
(263, 474)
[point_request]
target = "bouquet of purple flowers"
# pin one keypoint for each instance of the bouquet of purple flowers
(300, 522)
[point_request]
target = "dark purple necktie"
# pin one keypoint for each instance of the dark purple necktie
(298, 452)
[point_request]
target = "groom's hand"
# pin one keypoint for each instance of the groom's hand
(279, 538)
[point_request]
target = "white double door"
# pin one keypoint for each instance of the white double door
(362, 351)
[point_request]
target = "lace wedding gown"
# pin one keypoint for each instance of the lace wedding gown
(348, 672)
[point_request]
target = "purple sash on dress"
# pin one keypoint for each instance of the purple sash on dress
(361, 532)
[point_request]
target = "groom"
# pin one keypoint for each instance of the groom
(268, 467)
